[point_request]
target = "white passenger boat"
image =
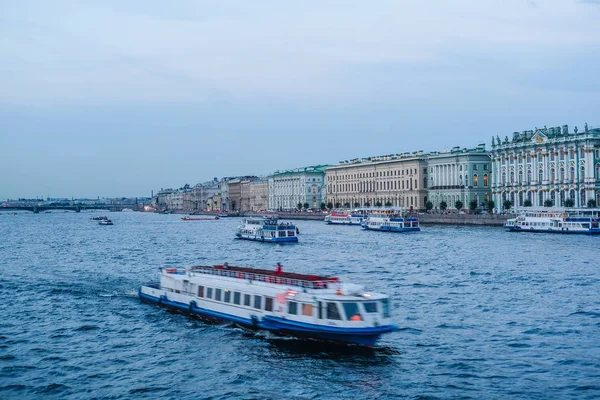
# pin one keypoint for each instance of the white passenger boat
(307, 306)
(267, 230)
(391, 223)
(554, 220)
(343, 218)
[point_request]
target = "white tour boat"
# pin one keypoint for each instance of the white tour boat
(306, 306)
(390, 222)
(267, 230)
(343, 218)
(554, 220)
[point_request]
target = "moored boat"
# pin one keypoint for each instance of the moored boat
(343, 218)
(267, 230)
(391, 223)
(556, 220)
(199, 218)
(306, 306)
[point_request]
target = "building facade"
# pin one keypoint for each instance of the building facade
(459, 175)
(300, 186)
(548, 165)
(395, 180)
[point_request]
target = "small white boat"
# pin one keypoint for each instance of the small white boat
(343, 218)
(105, 222)
(306, 306)
(267, 230)
(556, 220)
(391, 223)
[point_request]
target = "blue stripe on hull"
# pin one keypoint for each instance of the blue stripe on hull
(361, 336)
(391, 229)
(271, 240)
(566, 231)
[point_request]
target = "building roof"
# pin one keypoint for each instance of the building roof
(313, 169)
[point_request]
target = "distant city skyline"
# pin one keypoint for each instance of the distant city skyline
(120, 99)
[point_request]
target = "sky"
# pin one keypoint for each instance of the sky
(118, 98)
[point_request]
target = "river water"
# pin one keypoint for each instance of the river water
(482, 313)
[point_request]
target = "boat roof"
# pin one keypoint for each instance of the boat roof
(267, 272)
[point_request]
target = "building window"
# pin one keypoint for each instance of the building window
(485, 167)
(485, 180)
(474, 167)
(475, 179)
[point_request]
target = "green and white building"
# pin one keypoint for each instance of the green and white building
(459, 175)
(303, 185)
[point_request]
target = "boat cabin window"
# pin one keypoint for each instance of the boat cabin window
(320, 308)
(282, 234)
(247, 300)
(257, 302)
(227, 296)
(386, 308)
(370, 307)
(290, 233)
(236, 297)
(307, 309)
(218, 294)
(209, 293)
(333, 312)
(200, 291)
(292, 307)
(352, 313)
(268, 303)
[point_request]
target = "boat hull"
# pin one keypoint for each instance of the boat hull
(390, 229)
(564, 231)
(281, 326)
(266, 239)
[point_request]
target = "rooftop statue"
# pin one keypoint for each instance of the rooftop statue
(586, 128)
(575, 129)
(498, 140)
(565, 129)
(493, 142)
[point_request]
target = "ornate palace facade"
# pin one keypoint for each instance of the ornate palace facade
(394, 180)
(547, 164)
(460, 174)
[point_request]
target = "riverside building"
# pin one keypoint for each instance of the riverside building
(547, 165)
(459, 175)
(398, 180)
(287, 189)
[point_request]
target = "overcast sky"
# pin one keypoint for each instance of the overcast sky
(118, 98)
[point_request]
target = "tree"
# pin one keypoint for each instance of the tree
(443, 206)
(323, 206)
(356, 204)
(388, 203)
(527, 203)
(378, 204)
(329, 205)
(306, 206)
(473, 205)
(569, 203)
(591, 203)
(299, 206)
(507, 204)
(428, 205)
(491, 205)
(458, 204)
(548, 203)
(337, 205)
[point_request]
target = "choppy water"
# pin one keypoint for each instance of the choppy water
(483, 313)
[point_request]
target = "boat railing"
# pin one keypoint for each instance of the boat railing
(323, 283)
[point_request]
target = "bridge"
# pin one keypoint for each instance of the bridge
(37, 208)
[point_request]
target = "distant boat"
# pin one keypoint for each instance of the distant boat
(126, 210)
(102, 218)
(105, 222)
(222, 215)
(199, 218)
